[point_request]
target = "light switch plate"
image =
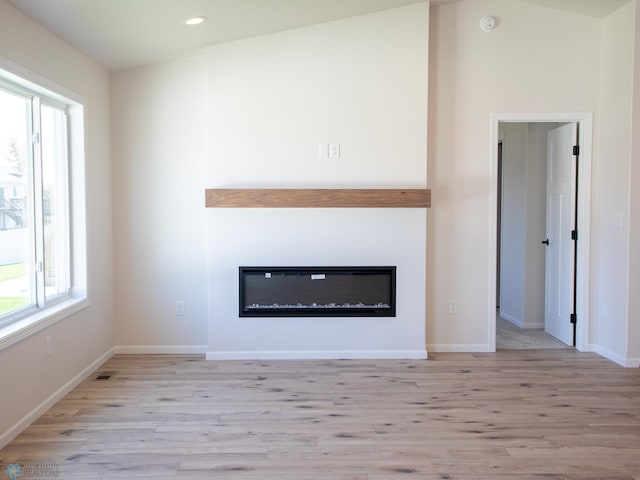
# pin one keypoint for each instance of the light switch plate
(323, 150)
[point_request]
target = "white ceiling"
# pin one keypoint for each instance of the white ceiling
(126, 33)
(590, 8)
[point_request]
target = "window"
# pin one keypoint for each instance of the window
(38, 259)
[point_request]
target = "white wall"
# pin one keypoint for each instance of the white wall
(274, 111)
(84, 338)
(611, 187)
(360, 82)
(472, 73)
(514, 222)
(513, 69)
(159, 126)
(633, 337)
(317, 237)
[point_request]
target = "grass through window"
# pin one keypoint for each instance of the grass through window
(8, 273)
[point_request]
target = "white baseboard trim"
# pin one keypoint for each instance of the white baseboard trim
(37, 412)
(319, 355)
(518, 323)
(619, 359)
(533, 325)
(632, 363)
(458, 348)
(160, 349)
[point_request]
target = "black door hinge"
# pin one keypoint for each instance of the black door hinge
(573, 319)
(574, 235)
(576, 150)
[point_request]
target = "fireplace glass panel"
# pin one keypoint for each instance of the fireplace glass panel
(317, 291)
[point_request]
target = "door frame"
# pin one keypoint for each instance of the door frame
(583, 219)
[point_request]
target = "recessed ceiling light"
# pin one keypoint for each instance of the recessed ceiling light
(195, 20)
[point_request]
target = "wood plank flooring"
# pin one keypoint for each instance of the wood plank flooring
(524, 415)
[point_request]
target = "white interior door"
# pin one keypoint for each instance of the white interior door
(560, 247)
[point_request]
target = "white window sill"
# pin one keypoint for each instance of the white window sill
(21, 329)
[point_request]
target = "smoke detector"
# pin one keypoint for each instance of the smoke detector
(487, 23)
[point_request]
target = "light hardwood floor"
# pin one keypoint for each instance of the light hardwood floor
(524, 415)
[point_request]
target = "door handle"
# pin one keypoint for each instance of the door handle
(546, 242)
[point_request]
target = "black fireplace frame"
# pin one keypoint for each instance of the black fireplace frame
(388, 310)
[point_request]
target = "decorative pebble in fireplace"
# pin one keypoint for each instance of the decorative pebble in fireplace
(317, 291)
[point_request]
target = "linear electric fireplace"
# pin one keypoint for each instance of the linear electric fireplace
(317, 291)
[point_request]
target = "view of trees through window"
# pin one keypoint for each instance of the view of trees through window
(34, 203)
(15, 222)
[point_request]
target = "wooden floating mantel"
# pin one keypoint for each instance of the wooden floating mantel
(317, 198)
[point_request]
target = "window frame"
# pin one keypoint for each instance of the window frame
(22, 323)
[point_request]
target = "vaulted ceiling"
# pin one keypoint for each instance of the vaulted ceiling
(126, 33)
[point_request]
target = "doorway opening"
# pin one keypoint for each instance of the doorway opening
(519, 202)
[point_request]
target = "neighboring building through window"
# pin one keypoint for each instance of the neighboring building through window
(36, 211)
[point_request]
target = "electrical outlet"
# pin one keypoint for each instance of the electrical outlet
(453, 306)
(334, 150)
(48, 345)
(179, 308)
(618, 221)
